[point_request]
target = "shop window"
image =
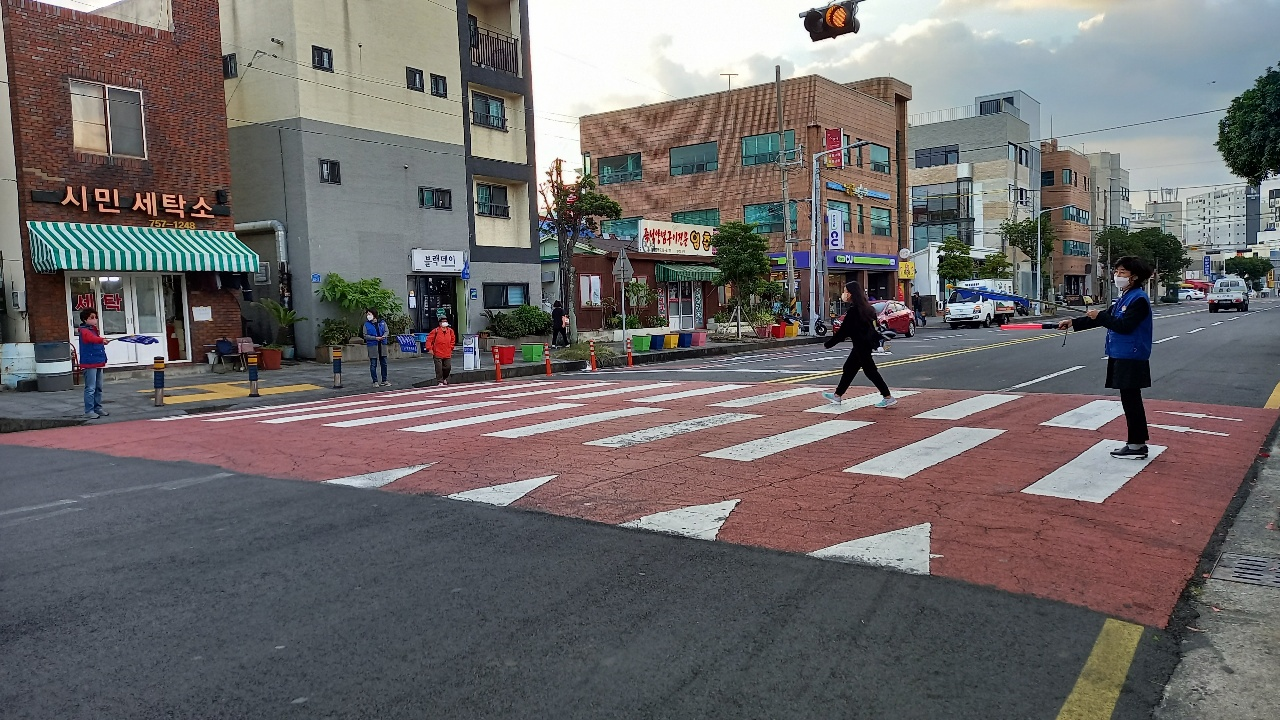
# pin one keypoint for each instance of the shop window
(589, 289)
(491, 201)
(439, 86)
(414, 80)
(692, 159)
(500, 296)
(880, 222)
(321, 58)
(230, 68)
(710, 217)
(435, 198)
(331, 172)
(763, 149)
(488, 111)
(620, 169)
(107, 120)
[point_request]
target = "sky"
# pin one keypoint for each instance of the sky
(1092, 64)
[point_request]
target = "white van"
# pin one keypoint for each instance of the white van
(1229, 293)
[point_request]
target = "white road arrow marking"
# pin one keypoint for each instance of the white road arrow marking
(1183, 429)
(1200, 416)
(378, 479)
(505, 494)
(701, 522)
(906, 550)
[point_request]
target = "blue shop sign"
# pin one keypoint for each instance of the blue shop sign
(859, 191)
(778, 261)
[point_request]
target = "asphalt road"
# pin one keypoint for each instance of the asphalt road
(1225, 358)
(142, 589)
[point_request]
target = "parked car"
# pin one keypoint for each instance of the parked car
(891, 315)
(1230, 293)
(1190, 294)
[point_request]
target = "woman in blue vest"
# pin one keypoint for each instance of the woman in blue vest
(1128, 323)
(375, 338)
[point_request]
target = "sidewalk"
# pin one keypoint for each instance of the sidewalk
(129, 395)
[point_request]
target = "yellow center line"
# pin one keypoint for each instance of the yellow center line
(1098, 687)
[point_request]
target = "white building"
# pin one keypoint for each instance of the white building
(1269, 222)
(1111, 206)
(1216, 220)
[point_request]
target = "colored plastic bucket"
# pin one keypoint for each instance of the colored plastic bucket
(531, 352)
(640, 343)
(671, 341)
(699, 338)
(506, 354)
(686, 340)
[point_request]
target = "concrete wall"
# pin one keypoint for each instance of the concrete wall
(509, 145)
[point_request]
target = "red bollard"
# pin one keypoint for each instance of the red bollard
(497, 367)
(629, 363)
(546, 355)
(593, 356)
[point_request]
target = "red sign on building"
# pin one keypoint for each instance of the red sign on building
(835, 139)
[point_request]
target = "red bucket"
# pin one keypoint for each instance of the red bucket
(506, 354)
(778, 331)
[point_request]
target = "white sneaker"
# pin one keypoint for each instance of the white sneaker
(833, 398)
(91, 416)
(887, 402)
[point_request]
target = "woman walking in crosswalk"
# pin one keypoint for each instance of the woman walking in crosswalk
(859, 326)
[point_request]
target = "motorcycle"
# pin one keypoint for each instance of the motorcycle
(820, 327)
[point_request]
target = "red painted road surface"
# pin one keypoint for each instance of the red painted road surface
(1127, 550)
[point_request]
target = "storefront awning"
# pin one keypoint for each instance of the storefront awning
(128, 248)
(687, 273)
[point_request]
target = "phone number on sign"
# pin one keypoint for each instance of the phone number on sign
(173, 224)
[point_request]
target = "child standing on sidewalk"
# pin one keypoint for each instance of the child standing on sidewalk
(93, 357)
(440, 342)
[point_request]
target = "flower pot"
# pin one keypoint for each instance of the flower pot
(640, 343)
(288, 352)
(762, 331)
(531, 352)
(791, 330)
(269, 358)
(685, 340)
(670, 341)
(506, 354)
(777, 331)
(699, 338)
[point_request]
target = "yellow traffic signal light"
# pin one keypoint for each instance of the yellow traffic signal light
(838, 18)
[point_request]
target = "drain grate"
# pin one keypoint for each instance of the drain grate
(1251, 569)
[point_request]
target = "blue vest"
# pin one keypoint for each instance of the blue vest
(1137, 344)
(91, 353)
(373, 328)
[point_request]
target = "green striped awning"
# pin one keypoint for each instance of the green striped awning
(683, 273)
(129, 248)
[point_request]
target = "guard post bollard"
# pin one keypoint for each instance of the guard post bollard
(593, 356)
(157, 364)
(497, 366)
(629, 362)
(253, 375)
(337, 367)
(546, 356)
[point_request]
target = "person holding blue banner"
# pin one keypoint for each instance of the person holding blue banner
(93, 358)
(375, 339)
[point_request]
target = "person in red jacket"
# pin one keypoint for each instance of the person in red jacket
(440, 342)
(93, 357)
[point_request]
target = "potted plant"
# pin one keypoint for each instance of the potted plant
(334, 332)
(269, 356)
(285, 318)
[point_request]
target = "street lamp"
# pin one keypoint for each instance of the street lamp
(815, 255)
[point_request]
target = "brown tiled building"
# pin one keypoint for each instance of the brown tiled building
(115, 139)
(1066, 186)
(706, 160)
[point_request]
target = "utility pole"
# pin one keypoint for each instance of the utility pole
(789, 242)
(817, 253)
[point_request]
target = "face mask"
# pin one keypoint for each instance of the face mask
(1121, 281)
(369, 318)
(444, 324)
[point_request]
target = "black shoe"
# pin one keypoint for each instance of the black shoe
(1128, 453)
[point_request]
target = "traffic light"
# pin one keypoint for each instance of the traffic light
(838, 18)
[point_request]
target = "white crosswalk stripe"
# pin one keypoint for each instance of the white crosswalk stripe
(969, 406)
(616, 391)
(380, 419)
(498, 388)
(348, 411)
(245, 415)
(762, 399)
(1093, 475)
(492, 417)
(774, 444)
(551, 390)
(662, 432)
(690, 393)
(572, 422)
(1090, 416)
(856, 403)
(918, 456)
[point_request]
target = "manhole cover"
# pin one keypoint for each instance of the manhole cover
(1251, 569)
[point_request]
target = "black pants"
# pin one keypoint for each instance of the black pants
(860, 359)
(558, 333)
(1135, 415)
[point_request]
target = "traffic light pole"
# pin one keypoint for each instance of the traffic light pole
(789, 240)
(817, 249)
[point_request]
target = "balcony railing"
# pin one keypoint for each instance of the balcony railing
(496, 51)
(493, 210)
(497, 122)
(609, 178)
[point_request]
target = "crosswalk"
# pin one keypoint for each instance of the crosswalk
(639, 415)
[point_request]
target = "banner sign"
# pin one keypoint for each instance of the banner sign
(834, 139)
(835, 230)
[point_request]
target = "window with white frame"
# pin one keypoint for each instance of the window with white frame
(107, 120)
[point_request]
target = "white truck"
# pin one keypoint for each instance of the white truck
(981, 303)
(1229, 293)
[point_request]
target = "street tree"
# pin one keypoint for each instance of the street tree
(1117, 242)
(996, 266)
(742, 257)
(1165, 253)
(1021, 234)
(1252, 269)
(573, 208)
(1249, 134)
(954, 261)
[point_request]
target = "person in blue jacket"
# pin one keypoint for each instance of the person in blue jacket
(375, 338)
(1129, 330)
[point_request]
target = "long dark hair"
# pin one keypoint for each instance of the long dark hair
(859, 306)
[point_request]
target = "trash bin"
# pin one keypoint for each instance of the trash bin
(685, 340)
(670, 341)
(53, 366)
(506, 354)
(640, 343)
(531, 352)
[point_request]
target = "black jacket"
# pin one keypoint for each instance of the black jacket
(865, 336)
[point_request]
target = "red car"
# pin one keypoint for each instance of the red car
(892, 315)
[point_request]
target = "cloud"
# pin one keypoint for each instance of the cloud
(960, 6)
(1092, 22)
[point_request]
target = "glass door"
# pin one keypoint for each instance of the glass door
(680, 305)
(149, 316)
(110, 297)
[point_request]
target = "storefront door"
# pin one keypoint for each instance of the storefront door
(127, 304)
(680, 311)
(434, 292)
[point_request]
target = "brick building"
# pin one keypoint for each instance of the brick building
(114, 134)
(1066, 187)
(710, 159)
